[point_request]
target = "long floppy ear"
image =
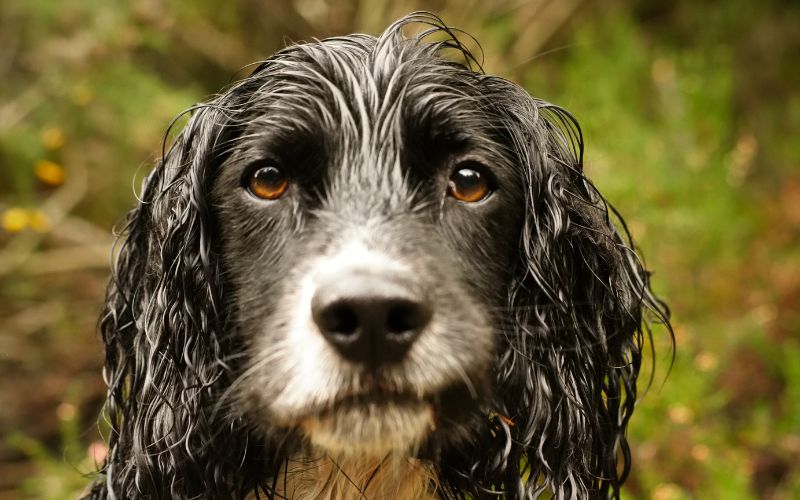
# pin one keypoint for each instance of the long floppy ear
(163, 328)
(580, 306)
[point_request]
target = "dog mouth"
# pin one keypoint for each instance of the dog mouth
(377, 396)
(374, 416)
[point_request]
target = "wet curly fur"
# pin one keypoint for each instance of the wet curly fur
(549, 299)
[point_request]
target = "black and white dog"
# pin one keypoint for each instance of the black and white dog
(368, 271)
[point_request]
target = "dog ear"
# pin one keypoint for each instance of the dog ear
(581, 305)
(162, 326)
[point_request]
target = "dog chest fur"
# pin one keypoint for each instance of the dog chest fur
(393, 478)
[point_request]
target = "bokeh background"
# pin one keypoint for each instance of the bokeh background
(691, 114)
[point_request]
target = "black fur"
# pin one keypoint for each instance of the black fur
(369, 130)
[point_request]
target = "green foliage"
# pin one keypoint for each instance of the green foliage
(62, 473)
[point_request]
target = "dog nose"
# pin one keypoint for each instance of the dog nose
(371, 319)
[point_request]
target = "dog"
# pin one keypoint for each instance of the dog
(371, 270)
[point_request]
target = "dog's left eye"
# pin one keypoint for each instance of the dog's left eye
(267, 183)
(469, 183)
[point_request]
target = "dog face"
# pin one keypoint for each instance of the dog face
(370, 213)
(365, 249)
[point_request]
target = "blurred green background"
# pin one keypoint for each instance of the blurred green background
(691, 113)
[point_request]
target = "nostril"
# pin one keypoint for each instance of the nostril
(405, 317)
(339, 319)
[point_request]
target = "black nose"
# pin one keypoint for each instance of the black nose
(369, 318)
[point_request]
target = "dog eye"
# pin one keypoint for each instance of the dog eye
(267, 183)
(469, 183)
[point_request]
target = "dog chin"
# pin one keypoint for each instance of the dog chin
(370, 429)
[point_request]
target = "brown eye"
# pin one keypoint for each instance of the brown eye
(469, 184)
(268, 183)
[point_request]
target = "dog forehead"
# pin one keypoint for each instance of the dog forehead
(357, 84)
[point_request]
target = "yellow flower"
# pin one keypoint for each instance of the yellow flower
(50, 172)
(38, 221)
(66, 411)
(680, 414)
(15, 220)
(81, 95)
(666, 491)
(53, 137)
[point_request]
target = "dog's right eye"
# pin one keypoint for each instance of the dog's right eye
(470, 183)
(267, 183)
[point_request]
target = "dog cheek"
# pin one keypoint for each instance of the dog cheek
(457, 348)
(485, 244)
(294, 369)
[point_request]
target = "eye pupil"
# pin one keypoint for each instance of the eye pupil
(268, 183)
(469, 185)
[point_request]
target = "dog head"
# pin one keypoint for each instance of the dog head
(365, 248)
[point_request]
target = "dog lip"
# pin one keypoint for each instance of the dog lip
(378, 398)
(375, 396)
